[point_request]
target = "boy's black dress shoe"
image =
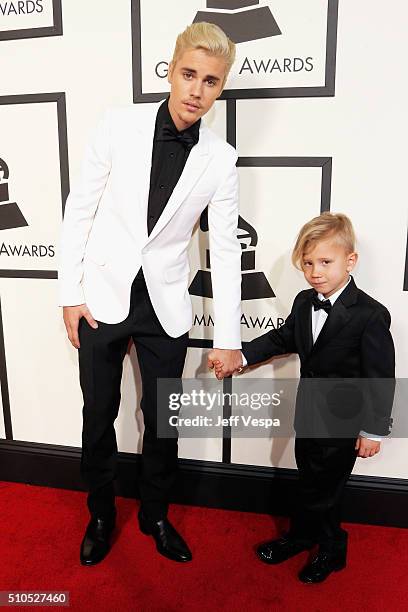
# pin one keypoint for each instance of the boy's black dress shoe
(96, 543)
(168, 542)
(281, 549)
(321, 566)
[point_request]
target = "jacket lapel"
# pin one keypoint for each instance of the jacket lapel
(196, 164)
(305, 326)
(147, 133)
(338, 317)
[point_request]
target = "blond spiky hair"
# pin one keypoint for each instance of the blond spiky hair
(207, 36)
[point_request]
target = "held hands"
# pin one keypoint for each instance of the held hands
(367, 448)
(225, 362)
(72, 315)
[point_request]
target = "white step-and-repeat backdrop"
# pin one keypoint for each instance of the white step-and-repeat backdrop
(316, 104)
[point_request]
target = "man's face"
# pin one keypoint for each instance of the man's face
(196, 81)
(327, 265)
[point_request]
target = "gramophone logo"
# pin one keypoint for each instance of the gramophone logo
(10, 214)
(241, 20)
(254, 284)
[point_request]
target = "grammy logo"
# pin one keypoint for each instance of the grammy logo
(240, 25)
(10, 214)
(254, 284)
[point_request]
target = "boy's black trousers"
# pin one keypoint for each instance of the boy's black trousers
(101, 355)
(323, 470)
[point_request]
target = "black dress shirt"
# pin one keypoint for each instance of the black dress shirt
(169, 157)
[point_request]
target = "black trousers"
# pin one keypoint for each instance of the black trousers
(323, 470)
(101, 355)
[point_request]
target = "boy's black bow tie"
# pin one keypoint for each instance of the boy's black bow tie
(324, 304)
(167, 132)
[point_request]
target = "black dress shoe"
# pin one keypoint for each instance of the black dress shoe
(321, 566)
(281, 549)
(96, 543)
(168, 542)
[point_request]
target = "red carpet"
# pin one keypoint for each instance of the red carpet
(42, 529)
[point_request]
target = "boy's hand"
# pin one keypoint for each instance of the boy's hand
(217, 366)
(367, 448)
(219, 370)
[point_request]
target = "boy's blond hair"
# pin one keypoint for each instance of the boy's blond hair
(207, 36)
(324, 226)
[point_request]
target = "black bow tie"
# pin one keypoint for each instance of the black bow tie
(324, 304)
(167, 132)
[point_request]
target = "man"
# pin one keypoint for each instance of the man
(148, 174)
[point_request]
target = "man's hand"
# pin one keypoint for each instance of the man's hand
(225, 361)
(367, 448)
(72, 315)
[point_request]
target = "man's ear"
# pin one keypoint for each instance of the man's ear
(220, 94)
(223, 86)
(170, 72)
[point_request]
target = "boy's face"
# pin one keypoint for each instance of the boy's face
(196, 81)
(327, 265)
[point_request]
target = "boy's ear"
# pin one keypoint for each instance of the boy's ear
(351, 261)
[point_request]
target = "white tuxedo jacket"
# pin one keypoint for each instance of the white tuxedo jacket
(104, 237)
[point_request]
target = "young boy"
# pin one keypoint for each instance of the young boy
(339, 332)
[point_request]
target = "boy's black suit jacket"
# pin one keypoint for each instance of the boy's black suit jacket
(354, 343)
